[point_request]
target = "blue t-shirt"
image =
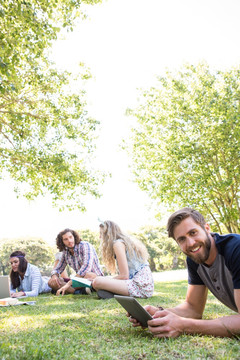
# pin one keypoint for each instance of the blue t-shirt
(223, 276)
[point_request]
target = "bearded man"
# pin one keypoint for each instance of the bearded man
(213, 262)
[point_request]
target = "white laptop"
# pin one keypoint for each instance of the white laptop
(4, 287)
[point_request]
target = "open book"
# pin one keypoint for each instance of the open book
(14, 301)
(80, 282)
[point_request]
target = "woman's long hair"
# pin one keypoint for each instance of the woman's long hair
(22, 267)
(110, 232)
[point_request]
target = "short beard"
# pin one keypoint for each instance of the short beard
(201, 259)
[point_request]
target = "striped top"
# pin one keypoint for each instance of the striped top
(33, 283)
(83, 260)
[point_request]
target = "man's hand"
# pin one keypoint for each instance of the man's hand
(64, 288)
(90, 276)
(166, 324)
(150, 309)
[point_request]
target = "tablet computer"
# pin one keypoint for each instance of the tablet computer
(134, 309)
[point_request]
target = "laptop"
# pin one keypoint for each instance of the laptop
(4, 287)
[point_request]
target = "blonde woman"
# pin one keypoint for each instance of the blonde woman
(128, 257)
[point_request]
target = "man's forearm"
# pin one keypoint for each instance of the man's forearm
(226, 326)
(186, 310)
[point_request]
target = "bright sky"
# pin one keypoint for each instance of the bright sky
(126, 43)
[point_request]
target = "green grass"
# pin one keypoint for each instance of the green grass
(84, 327)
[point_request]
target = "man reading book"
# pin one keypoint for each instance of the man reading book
(79, 255)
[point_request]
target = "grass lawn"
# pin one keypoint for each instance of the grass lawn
(84, 327)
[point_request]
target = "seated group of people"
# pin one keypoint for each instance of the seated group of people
(212, 261)
(130, 255)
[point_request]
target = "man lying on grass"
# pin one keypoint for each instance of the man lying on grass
(213, 262)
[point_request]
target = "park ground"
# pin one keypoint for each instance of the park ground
(84, 327)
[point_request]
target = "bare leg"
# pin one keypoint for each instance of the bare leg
(64, 274)
(55, 287)
(113, 285)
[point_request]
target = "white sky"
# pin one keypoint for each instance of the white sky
(126, 43)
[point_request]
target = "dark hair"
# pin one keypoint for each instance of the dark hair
(59, 240)
(178, 216)
(22, 267)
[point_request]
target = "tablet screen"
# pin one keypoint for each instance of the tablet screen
(134, 308)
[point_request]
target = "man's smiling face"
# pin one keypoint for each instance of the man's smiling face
(193, 240)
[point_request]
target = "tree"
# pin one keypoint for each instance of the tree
(185, 146)
(46, 135)
(37, 251)
(164, 253)
(93, 238)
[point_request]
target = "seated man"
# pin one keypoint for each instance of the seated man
(213, 263)
(78, 254)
